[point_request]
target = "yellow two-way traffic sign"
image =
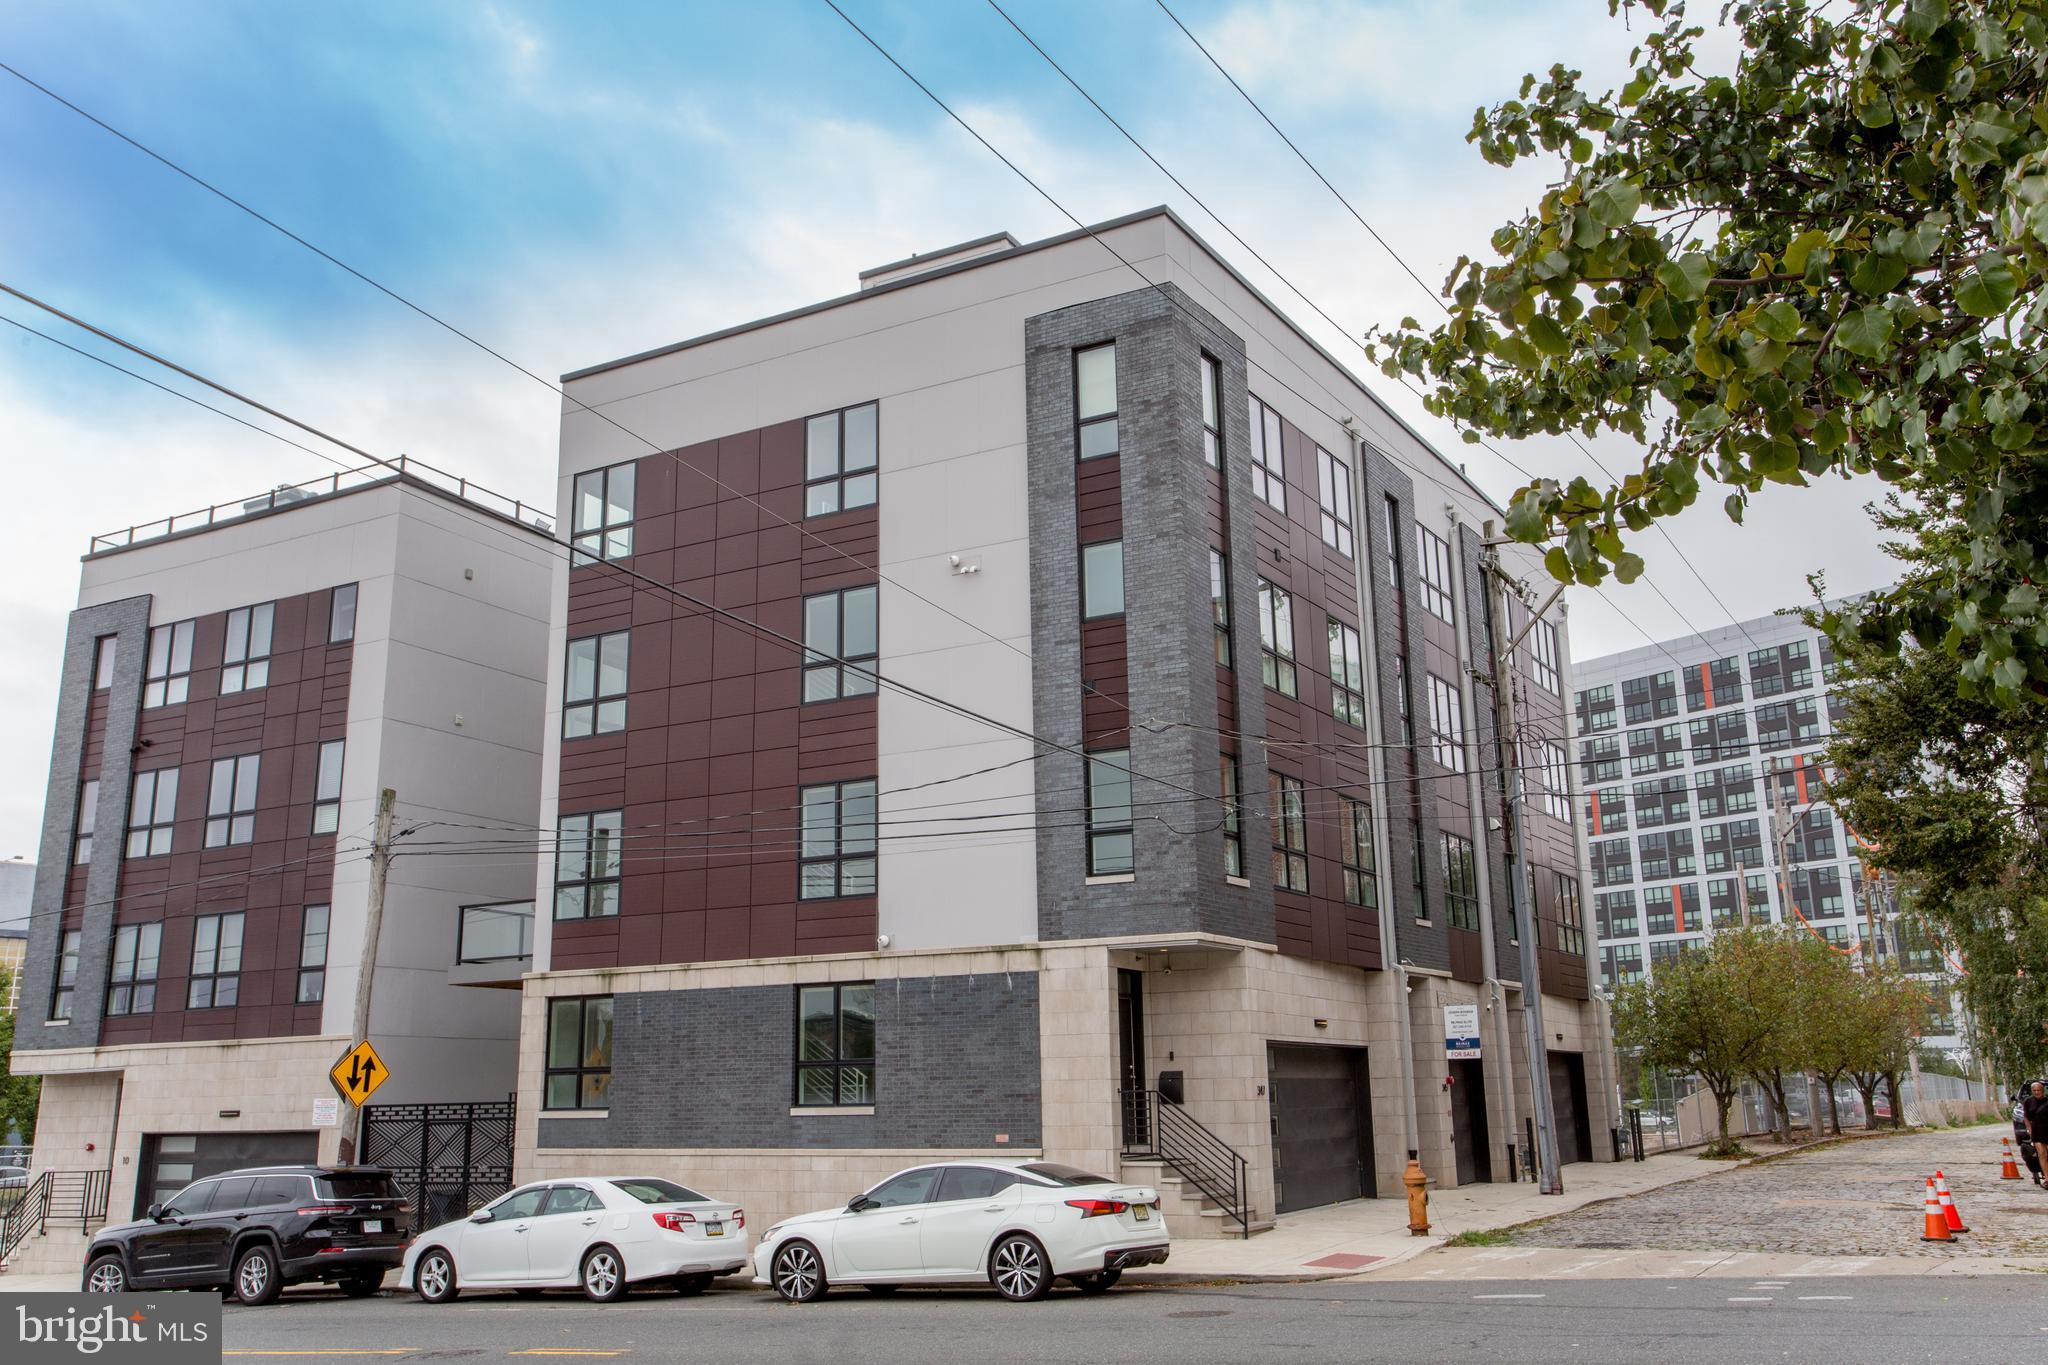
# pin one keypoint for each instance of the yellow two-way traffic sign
(358, 1074)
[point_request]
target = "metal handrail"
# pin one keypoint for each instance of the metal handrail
(55, 1195)
(1158, 1127)
(31, 1213)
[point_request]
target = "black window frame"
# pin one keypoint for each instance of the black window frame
(1230, 782)
(1110, 821)
(1545, 659)
(162, 678)
(595, 710)
(602, 863)
(1358, 852)
(221, 989)
(84, 821)
(1347, 674)
(1087, 423)
(1287, 807)
(1210, 372)
(244, 667)
(1333, 505)
(1219, 603)
(312, 972)
(131, 990)
(64, 977)
(841, 476)
(837, 664)
(1269, 455)
(1450, 712)
(159, 822)
(841, 1061)
(236, 824)
(1571, 914)
(1433, 557)
(584, 1070)
(1460, 863)
(1277, 658)
(844, 853)
(604, 539)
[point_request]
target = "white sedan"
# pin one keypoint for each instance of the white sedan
(1016, 1225)
(599, 1234)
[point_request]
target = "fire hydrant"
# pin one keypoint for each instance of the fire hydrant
(1418, 1197)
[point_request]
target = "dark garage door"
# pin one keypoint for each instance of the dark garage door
(1322, 1134)
(1568, 1104)
(171, 1161)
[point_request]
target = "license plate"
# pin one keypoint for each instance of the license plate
(1141, 1211)
(373, 1225)
(714, 1229)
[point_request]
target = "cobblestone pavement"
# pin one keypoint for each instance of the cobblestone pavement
(1862, 1197)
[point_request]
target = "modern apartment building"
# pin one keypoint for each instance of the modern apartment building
(1705, 800)
(1033, 705)
(239, 686)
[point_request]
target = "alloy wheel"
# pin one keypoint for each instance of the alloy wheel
(601, 1274)
(106, 1278)
(253, 1278)
(434, 1276)
(1018, 1269)
(797, 1273)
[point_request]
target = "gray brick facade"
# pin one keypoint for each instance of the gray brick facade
(956, 1064)
(128, 620)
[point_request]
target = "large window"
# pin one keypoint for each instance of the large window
(103, 653)
(835, 1044)
(1347, 675)
(1434, 554)
(837, 857)
(1269, 469)
(216, 962)
(1233, 817)
(88, 818)
(1361, 880)
(839, 460)
(1102, 580)
(588, 858)
(65, 989)
(1219, 603)
(1212, 412)
(579, 1069)
(601, 518)
(341, 615)
(245, 657)
(313, 955)
(1571, 916)
(1276, 638)
(1555, 792)
(1109, 813)
(1095, 402)
(231, 801)
(1290, 832)
(151, 809)
(1334, 485)
(1446, 724)
(1545, 655)
(131, 979)
(594, 685)
(842, 641)
(1461, 881)
(327, 788)
(167, 674)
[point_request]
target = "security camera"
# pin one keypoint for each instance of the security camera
(881, 941)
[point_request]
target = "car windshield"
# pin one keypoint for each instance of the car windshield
(1063, 1175)
(357, 1187)
(650, 1190)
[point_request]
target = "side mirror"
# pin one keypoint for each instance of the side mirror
(482, 1216)
(860, 1203)
(154, 1213)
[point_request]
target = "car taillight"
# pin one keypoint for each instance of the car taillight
(313, 1209)
(674, 1222)
(405, 1206)
(739, 1218)
(1097, 1208)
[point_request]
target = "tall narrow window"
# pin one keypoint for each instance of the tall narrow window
(88, 817)
(131, 979)
(1361, 868)
(216, 962)
(1219, 603)
(1543, 636)
(341, 615)
(151, 809)
(594, 686)
(1212, 412)
(1418, 875)
(1434, 552)
(601, 521)
(1102, 580)
(1461, 882)
(103, 662)
(65, 989)
(1109, 813)
(1095, 402)
(1290, 833)
(839, 460)
(1404, 701)
(231, 801)
(588, 859)
(1269, 468)
(837, 854)
(1347, 675)
(245, 658)
(1233, 818)
(1334, 512)
(167, 676)
(579, 1067)
(842, 640)
(327, 788)
(1446, 724)
(1571, 916)
(835, 1044)
(1276, 638)
(313, 955)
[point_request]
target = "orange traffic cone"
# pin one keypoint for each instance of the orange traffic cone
(1949, 1210)
(2011, 1170)
(1936, 1222)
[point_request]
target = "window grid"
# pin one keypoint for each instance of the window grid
(1571, 916)
(1461, 880)
(88, 818)
(312, 986)
(64, 990)
(1545, 656)
(578, 1074)
(1334, 510)
(1347, 675)
(152, 809)
(1361, 867)
(1109, 813)
(1290, 833)
(167, 674)
(589, 855)
(1446, 725)
(216, 962)
(842, 640)
(835, 1045)
(327, 787)
(245, 656)
(231, 801)
(840, 450)
(837, 852)
(131, 977)
(1219, 603)
(1269, 468)
(1095, 421)
(602, 512)
(1212, 412)
(594, 685)
(1434, 552)
(1276, 638)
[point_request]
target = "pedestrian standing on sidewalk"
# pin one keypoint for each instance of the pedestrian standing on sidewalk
(2036, 1110)
(2024, 1135)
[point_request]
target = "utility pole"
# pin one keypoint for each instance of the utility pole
(1781, 839)
(1520, 902)
(366, 970)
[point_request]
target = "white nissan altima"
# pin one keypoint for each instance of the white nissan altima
(1016, 1225)
(597, 1233)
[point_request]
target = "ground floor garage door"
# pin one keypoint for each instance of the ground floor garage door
(1568, 1103)
(1322, 1125)
(1469, 1143)
(171, 1161)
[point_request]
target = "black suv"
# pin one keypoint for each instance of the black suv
(250, 1233)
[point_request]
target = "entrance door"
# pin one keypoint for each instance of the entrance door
(1468, 1122)
(1568, 1104)
(1130, 1043)
(1322, 1125)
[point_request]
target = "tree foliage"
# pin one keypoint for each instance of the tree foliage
(1829, 261)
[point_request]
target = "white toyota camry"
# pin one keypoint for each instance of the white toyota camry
(1016, 1225)
(598, 1233)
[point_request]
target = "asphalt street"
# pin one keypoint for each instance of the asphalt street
(1857, 1320)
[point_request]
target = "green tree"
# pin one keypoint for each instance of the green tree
(1768, 970)
(19, 1095)
(1830, 1022)
(1828, 261)
(1692, 1018)
(1890, 1009)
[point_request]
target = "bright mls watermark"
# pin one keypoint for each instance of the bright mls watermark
(163, 1329)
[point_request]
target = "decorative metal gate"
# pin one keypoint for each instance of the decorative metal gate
(449, 1159)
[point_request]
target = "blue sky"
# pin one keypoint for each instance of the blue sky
(572, 183)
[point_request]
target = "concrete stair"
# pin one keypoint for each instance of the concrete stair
(56, 1251)
(1189, 1213)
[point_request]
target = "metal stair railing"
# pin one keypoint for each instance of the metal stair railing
(1158, 1127)
(55, 1196)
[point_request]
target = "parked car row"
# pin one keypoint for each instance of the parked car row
(1019, 1226)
